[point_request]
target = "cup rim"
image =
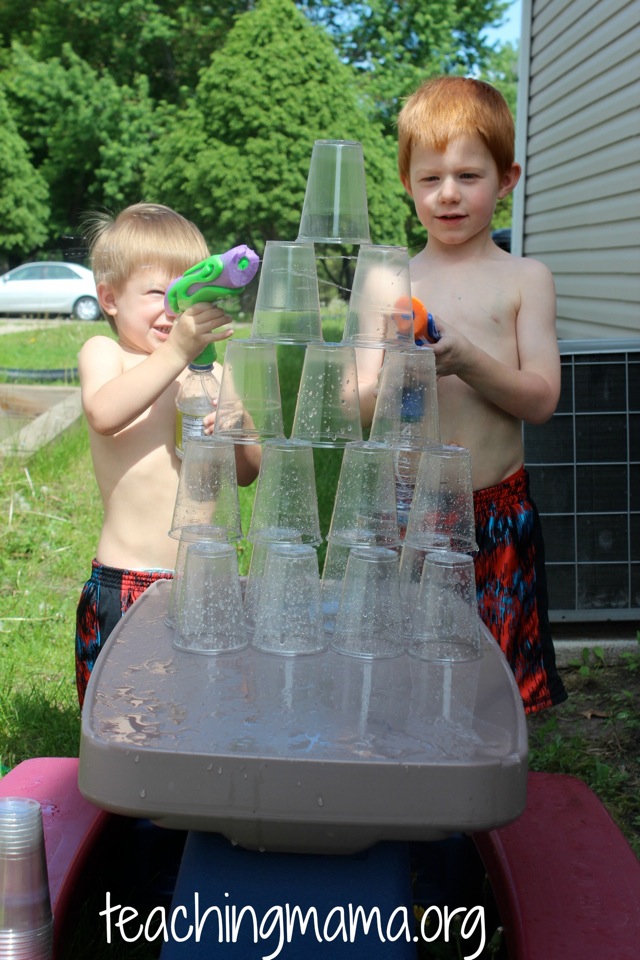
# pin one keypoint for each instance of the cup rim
(212, 547)
(448, 558)
(373, 553)
(338, 143)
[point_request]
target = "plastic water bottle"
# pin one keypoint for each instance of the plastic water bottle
(196, 398)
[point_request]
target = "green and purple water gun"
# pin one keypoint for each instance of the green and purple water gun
(220, 275)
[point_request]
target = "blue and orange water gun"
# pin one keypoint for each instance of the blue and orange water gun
(425, 329)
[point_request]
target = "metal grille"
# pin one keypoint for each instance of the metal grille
(585, 478)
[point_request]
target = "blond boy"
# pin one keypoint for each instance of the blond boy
(497, 358)
(129, 389)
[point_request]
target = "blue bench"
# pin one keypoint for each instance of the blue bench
(227, 876)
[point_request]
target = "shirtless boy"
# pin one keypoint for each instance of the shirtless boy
(497, 359)
(129, 389)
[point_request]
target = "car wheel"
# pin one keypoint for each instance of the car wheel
(87, 308)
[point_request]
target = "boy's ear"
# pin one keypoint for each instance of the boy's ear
(509, 180)
(107, 299)
(406, 183)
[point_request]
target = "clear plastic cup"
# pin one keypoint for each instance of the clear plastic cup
(26, 923)
(369, 619)
(328, 407)
(411, 566)
(364, 511)
(443, 499)
(197, 533)
(210, 613)
(285, 507)
(288, 304)
(406, 411)
(379, 315)
(335, 202)
(255, 577)
(207, 488)
(249, 406)
(445, 622)
(289, 612)
(335, 565)
(28, 944)
(406, 417)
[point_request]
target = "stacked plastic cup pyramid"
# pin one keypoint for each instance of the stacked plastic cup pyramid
(370, 580)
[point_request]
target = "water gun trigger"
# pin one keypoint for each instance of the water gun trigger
(231, 271)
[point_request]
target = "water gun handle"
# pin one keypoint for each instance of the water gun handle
(220, 275)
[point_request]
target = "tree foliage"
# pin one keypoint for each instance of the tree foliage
(24, 194)
(89, 136)
(241, 171)
(215, 107)
(168, 42)
(396, 44)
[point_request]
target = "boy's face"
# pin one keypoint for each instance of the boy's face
(455, 190)
(138, 309)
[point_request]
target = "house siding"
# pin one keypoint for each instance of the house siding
(579, 140)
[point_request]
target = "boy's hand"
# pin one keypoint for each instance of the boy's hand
(452, 351)
(236, 418)
(194, 329)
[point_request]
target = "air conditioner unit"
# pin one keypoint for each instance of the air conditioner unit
(584, 466)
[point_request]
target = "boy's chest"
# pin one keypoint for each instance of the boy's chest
(479, 303)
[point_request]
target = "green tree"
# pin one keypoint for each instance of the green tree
(237, 160)
(168, 42)
(90, 138)
(24, 196)
(223, 102)
(396, 44)
(501, 70)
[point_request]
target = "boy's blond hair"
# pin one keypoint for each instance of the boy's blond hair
(144, 234)
(443, 109)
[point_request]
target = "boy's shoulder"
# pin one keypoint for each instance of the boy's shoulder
(101, 340)
(99, 347)
(525, 270)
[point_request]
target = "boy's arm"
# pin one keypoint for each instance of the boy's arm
(368, 365)
(113, 397)
(248, 457)
(529, 391)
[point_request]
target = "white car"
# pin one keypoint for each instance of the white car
(50, 288)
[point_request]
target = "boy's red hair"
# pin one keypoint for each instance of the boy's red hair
(449, 107)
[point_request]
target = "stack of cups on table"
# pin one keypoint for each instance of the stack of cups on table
(26, 923)
(360, 583)
(440, 615)
(282, 596)
(205, 605)
(366, 603)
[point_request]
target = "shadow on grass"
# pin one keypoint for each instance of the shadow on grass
(37, 721)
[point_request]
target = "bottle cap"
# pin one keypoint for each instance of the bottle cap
(206, 358)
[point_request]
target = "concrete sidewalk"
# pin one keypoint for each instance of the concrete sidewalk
(613, 636)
